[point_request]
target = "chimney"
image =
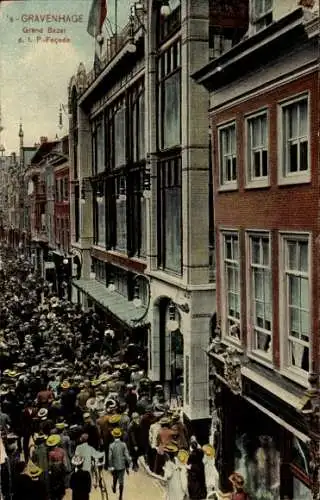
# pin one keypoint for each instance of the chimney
(43, 139)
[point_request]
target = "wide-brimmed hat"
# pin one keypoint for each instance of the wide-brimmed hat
(53, 440)
(42, 413)
(171, 448)
(65, 384)
(208, 450)
(236, 479)
(114, 419)
(11, 436)
(40, 436)
(77, 460)
(86, 415)
(61, 425)
(91, 403)
(95, 382)
(117, 432)
(183, 456)
(104, 377)
(34, 471)
(165, 421)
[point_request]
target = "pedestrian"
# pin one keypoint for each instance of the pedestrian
(196, 474)
(80, 481)
(119, 461)
(237, 482)
(87, 452)
(38, 488)
(173, 474)
(22, 484)
(211, 473)
(135, 444)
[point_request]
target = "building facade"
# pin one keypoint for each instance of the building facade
(141, 227)
(264, 360)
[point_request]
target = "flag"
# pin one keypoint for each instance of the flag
(97, 15)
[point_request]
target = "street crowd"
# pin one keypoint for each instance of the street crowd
(75, 401)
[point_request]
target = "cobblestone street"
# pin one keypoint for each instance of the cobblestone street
(138, 486)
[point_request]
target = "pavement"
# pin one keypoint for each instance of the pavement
(138, 486)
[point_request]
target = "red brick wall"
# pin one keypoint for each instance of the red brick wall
(276, 208)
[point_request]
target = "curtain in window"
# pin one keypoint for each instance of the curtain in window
(120, 137)
(121, 208)
(173, 229)
(171, 111)
(101, 216)
(100, 149)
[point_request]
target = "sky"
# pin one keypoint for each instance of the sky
(34, 74)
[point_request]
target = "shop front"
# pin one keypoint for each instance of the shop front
(258, 432)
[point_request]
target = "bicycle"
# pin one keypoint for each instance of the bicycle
(98, 480)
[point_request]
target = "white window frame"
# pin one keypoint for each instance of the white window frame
(225, 185)
(302, 176)
(258, 19)
(251, 181)
(297, 374)
(224, 295)
(251, 327)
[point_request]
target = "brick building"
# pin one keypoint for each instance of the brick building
(264, 114)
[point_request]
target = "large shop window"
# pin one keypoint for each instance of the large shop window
(136, 214)
(257, 459)
(231, 279)
(297, 305)
(138, 123)
(100, 216)
(120, 134)
(260, 298)
(169, 91)
(121, 213)
(169, 215)
(98, 147)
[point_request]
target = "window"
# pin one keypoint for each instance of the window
(169, 215)
(169, 95)
(260, 296)
(136, 214)
(262, 13)
(257, 134)
(120, 135)
(121, 213)
(100, 270)
(295, 147)
(167, 26)
(228, 154)
(98, 148)
(232, 284)
(138, 122)
(100, 216)
(66, 189)
(77, 212)
(297, 302)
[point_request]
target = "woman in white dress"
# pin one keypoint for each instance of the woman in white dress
(175, 474)
(211, 473)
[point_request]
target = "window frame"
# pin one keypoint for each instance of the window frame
(296, 374)
(224, 295)
(233, 184)
(251, 181)
(251, 327)
(302, 176)
(260, 20)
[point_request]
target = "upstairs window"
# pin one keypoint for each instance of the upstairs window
(262, 13)
(257, 137)
(228, 155)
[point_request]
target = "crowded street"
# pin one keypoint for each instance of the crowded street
(77, 414)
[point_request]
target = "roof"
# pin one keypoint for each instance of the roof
(253, 51)
(42, 150)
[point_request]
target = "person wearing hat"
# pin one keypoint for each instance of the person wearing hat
(237, 482)
(22, 483)
(165, 436)
(38, 487)
(180, 431)
(119, 461)
(211, 473)
(87, 452)
(197, 489)
(92, 430)
(135, 444)
(80, 481)
(57, 467)
(131, 399)
(176, 483)
(39, 455)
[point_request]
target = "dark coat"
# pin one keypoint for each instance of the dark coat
(80, 484)
(196, 476)
(22, 487)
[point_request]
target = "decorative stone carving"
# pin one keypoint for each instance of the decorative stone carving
(81, 78)
(232, 370)
(308, 4)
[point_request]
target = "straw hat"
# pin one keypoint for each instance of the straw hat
(91, 403)
(114, 419)
(40, 435)
(86, 415)
(117, 432)
(183, 456)
(53, 440)
(237, 480)
(65, 384)
(104, 377)
(34, 471)
(95, 382)
(42, 413)
(171, 448)
(165, 421)
(61, 425)
(208, 450)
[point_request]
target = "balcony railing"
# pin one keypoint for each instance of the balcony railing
(111, 47)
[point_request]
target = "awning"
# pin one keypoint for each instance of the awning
(113, 302)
